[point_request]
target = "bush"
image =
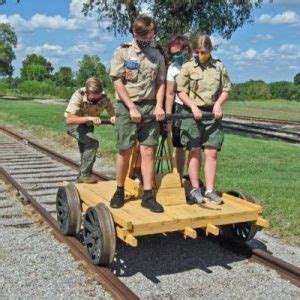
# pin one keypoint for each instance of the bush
(250, 90)
(45, 88)
(4, 87)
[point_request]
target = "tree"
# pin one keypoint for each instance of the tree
(36, 67)
(8, 41)
(297, 79)
(4, 1)
(176, 16)
(63, 77)
(91, 66)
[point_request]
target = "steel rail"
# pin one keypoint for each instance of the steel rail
(233, 126)
(285, 269)
(262, 127)
(105, 277)
(57, 156)
(267, 120)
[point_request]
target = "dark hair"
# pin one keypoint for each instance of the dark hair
(180, 41)
(143, 24)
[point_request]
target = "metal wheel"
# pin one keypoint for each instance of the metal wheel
(240, 232)
(68, 209)
(99, 234)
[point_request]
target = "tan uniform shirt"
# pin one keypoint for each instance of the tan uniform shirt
(139, 70)
(203, 84)
(79, 105)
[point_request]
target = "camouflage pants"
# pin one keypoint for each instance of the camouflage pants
(88, 145)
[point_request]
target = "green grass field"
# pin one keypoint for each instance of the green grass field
(267, 170)
(274, 109)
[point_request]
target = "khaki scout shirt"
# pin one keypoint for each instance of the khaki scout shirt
(203, 84)
(140, 82)
(79, 105)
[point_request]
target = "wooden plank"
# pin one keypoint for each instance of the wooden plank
(190, 232)
(90, 198)
(176, 224)
(171, 180)
(125, 236)
(210, 228)
(227, 197)
(134, 188)
(262, 222)
(146, 215)
(171, 196)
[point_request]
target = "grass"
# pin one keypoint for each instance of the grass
(50, 116)
(274, 109)
(267, 170)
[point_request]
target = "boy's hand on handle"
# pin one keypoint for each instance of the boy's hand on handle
(135, 115)
(217, 111)
(159, 113)
(95, 120)
(197, 113)
(113, 120)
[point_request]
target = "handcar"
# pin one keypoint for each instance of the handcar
(81, 205)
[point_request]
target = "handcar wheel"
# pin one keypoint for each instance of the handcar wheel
(99, 234)
(68, 209)
(240, 232)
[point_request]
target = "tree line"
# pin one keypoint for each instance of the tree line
(37, 77)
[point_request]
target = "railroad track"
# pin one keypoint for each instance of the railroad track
(37, 176)
(270, 130)
(265, 120)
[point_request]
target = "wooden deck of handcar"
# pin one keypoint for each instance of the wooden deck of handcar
(133, 220)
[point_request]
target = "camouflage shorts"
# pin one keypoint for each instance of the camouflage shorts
(200, 134)
(127, 132)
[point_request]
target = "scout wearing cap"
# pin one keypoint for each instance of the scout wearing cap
(203, 84)
(138, 71)
(82, 113)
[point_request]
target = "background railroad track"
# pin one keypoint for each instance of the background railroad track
(38, 174)
(288, 131)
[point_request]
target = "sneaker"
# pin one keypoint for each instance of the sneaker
(118, 199)
(150, 202)
(87, 179)
(213, 197)
(195, 196)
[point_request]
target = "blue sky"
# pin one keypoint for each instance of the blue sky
(267, 49)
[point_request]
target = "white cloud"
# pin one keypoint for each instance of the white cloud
(268, 53)
(53, 22)
(75, 8)
(263, 37)
(246, 55)
(287, 17)
(47, 50)
(40, 21)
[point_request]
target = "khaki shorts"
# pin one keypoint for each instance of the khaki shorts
(127, 132)
(195, 135)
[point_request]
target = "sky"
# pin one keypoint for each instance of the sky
(267, 49)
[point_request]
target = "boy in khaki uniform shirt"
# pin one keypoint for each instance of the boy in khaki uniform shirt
(82, 113)
(203, 84)
(138, 71)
